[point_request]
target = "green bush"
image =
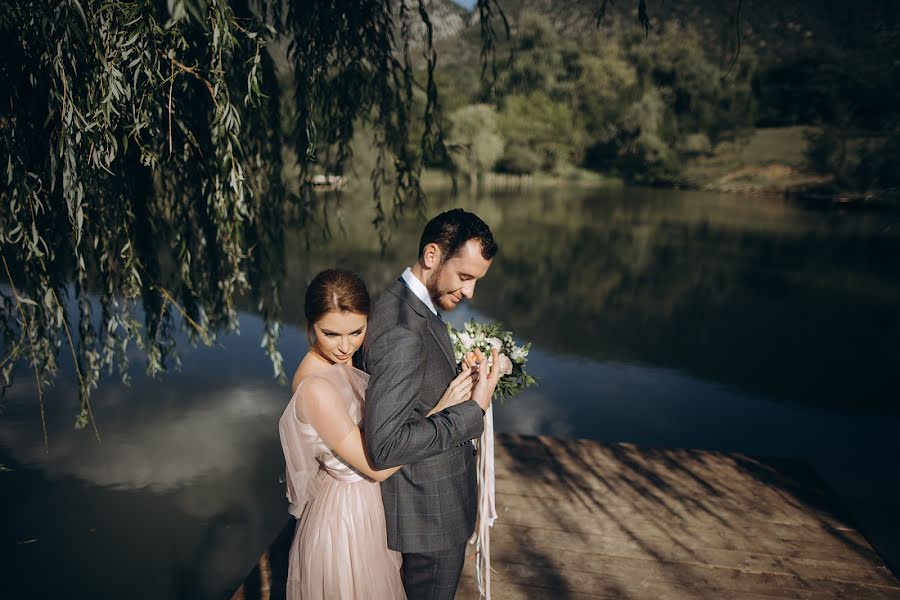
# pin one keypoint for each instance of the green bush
(888, 169)
(857, 163)
(474, 140)
(534, 32)
(519, 160)
(547, 128)
(694, 144)
(826, 151)
(677, 63)
(605, 86)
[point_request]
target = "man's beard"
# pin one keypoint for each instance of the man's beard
(434, 292)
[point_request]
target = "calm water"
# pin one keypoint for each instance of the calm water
(677, 319)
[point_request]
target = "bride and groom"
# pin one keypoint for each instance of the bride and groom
(381, 471)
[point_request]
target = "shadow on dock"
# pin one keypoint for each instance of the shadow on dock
(581, 519)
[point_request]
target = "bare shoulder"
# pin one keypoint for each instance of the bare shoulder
(307, 367)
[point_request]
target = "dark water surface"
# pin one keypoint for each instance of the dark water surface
(665, 318)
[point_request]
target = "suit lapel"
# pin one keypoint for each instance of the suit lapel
(442, 337)
(436, 327)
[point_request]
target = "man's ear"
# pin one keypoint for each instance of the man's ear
(431, 256)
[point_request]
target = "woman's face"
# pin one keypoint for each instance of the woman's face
(340, 334)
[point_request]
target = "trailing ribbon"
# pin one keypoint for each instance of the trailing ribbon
(487, 509)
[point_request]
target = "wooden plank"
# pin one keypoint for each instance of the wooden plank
(511, 590)
(659, 581)
(681, 477)
(672, 510)
(562, 550)
(581, 519)
(776, 540)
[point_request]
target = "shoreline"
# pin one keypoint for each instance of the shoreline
(813, 197)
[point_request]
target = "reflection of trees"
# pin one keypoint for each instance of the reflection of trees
(761, 296)
(739, 291)
(805, 315)
(189, 472)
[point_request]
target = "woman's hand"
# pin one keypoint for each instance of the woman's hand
(472, 360)
(459, 390)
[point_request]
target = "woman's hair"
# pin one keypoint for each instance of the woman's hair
(335, 290)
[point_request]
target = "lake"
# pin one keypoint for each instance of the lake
(661, 317)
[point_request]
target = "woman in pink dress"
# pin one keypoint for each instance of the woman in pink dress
(340, 547)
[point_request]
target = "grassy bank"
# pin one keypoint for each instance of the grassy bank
(434, 180)
(762, 160)
(770, 160)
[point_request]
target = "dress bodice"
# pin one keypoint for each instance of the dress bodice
(326, 457)
(327, 405)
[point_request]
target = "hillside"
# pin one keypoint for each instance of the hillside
(677, 107)
(773, 28)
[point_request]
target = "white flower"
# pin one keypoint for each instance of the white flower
(505, 365)
(486, 338)
(465, 340)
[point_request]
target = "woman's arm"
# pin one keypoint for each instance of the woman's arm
(322, 407)
(352, 450)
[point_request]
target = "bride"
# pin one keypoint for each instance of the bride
(340, 546)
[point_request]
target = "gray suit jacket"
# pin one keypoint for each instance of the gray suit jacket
(431, 503)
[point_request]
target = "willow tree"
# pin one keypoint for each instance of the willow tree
(142, 142)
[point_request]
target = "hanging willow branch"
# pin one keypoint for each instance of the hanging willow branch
(141, 147)
(488, 11)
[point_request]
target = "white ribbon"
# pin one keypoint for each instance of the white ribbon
(487, 509)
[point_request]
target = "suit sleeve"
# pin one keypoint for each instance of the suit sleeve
(395, 435)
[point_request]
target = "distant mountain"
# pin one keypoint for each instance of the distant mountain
(448, 18)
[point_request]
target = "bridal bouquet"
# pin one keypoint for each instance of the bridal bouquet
(513, 379)
(484, 337)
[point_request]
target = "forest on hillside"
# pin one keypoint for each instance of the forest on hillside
(681, 103)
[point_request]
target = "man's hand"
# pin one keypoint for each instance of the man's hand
(487, 381)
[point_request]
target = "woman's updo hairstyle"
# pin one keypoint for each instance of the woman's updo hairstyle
(335, 290)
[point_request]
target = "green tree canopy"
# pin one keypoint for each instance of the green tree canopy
(546, 127)
(474, 139)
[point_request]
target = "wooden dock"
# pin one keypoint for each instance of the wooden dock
(581, 519)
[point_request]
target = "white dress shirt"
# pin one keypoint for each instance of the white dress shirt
(418, 288)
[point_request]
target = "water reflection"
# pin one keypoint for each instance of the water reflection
(745, 291)
(177, 499)
(665, 318)
(151, 436)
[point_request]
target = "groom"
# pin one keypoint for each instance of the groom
(430, 505)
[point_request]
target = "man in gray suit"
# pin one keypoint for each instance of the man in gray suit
(431, 503)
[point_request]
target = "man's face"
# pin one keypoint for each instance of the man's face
(455, 279)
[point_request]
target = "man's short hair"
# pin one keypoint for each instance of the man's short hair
(451, 230)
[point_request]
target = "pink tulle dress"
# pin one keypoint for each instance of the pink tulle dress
(340, 547)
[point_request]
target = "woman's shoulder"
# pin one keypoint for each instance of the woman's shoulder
(349, 373)
(332, 378)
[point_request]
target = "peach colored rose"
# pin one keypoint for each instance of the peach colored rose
(505, 365)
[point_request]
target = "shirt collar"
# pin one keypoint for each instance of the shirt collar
(418, 288)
